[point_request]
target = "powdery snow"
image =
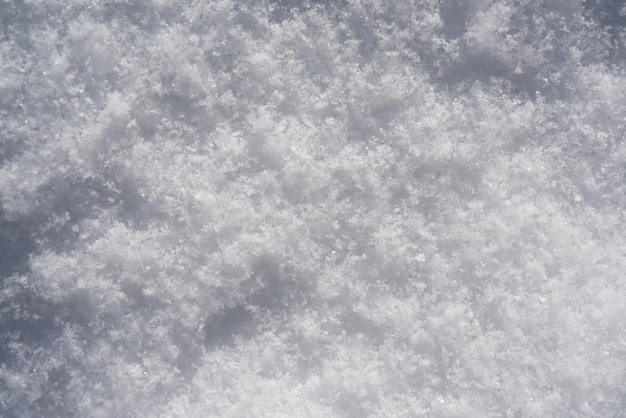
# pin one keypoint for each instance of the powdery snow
(312, 208)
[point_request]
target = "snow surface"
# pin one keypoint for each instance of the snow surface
(314, 208)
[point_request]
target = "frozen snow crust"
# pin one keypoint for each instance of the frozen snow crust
(290, 209)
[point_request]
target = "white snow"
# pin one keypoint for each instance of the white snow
(312, 208)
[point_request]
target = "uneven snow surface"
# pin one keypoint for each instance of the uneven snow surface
(280, 208)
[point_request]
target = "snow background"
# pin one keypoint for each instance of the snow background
(312, 208)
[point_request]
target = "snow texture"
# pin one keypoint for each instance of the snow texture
(281, 208)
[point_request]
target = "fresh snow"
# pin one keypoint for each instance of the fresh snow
(281, 208)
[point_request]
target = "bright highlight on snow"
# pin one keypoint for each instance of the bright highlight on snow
(280, 208)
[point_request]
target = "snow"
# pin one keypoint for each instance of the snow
(313, 208)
